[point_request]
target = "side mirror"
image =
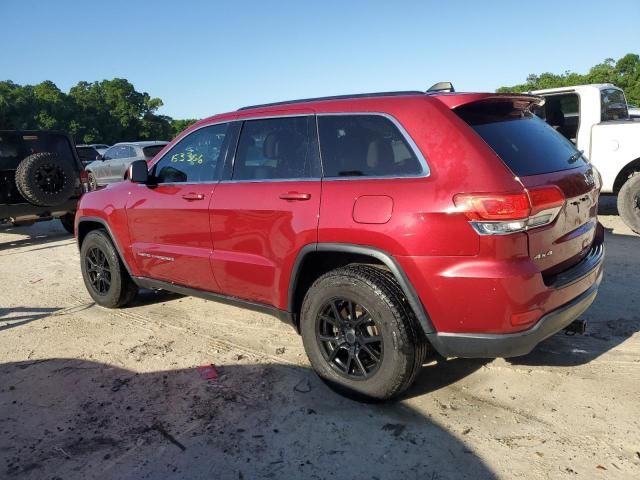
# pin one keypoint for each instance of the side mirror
(138, 172)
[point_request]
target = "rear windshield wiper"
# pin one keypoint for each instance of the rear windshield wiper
(574, 158)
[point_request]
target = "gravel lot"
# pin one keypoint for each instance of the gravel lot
(92, 393)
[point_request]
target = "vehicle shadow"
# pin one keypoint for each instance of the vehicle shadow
(149, 297)
(442, 372)
(36, 234)
(613, 317)
(70, 418)
(16, 316)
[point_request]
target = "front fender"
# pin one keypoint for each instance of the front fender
(106, 209)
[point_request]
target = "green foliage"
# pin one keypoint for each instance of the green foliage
(109, 111)
(624, 73)
(178, 126)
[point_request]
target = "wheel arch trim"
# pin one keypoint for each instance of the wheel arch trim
(114, 239)
(378, 254)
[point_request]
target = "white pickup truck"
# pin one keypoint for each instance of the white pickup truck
(596, 118)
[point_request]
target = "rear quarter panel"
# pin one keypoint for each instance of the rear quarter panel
(421, 222)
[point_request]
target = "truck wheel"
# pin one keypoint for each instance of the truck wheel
(45, 180)
(104, 274)
(360, 334)
(629, 202)
(67, 222)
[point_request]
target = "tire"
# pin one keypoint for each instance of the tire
(45, 180)
(629, 202)
(400, 349)
(67, 222)
(113, 290)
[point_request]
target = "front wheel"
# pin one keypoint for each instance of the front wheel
(104, 275)
(360, 334)
(629, 202)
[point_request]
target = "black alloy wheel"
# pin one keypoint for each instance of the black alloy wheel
(98, 270)
(49, 178)
(349, 338)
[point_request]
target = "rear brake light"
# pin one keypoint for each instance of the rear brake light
(503, 213)
(545, 198)
(84, 180)
(510, 206)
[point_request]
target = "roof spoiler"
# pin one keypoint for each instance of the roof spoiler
(441, 87)
(461, 99)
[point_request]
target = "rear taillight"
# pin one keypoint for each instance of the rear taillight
(503, 213)
(84, 180)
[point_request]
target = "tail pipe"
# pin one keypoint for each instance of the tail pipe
(577, 327)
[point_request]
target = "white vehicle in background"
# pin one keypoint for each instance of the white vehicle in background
(111, 166)
(596, 118)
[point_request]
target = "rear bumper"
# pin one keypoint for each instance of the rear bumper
(514, 344)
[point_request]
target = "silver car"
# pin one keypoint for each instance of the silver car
(116, 159)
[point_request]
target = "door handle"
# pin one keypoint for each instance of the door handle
(193, 196)
(295, 196)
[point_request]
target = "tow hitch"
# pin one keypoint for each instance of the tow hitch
(577, 327)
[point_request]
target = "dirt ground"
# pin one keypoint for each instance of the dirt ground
(88, 393)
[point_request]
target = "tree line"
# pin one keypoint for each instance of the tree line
(624, 73)
(108, 111)
(111, 111)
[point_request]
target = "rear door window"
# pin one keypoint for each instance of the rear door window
(128, 152)
(524, 142)
(152, 151)
(277, 148)
(87, 154)
(365, 146)
(112, 153)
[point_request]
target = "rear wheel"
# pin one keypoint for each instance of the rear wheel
(104, 274)
(360, 334)
(629, 202)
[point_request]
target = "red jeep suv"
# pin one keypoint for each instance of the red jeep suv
(379, 225)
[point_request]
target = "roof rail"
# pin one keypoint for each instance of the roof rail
(337, 97)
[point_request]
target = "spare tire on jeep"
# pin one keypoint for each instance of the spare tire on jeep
(45, 180)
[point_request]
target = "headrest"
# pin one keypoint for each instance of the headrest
(271, 146)
(380, 152)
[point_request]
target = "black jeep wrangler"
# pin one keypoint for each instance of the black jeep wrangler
(41, 177)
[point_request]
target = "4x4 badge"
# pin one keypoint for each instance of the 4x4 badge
(540, 256)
